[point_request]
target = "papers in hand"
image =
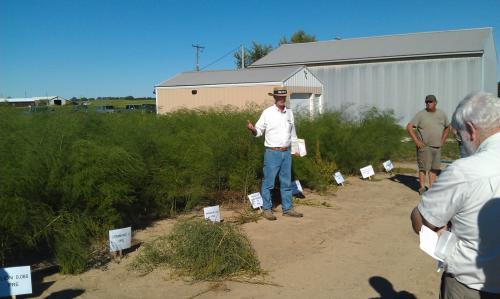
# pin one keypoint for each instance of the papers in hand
(299, 146)
(428, 241)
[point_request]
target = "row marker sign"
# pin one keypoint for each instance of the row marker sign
(15, 281)
(299, 186)
(120, 239)
(388, 165)
(367, 172)
(339, 178)
(212, 213)
(256, 200)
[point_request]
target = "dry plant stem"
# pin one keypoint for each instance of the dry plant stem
(210, 288)
(256, 282)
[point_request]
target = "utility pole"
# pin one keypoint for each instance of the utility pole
(199, 49)
(242, 57)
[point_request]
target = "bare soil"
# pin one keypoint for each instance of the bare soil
(356, 242)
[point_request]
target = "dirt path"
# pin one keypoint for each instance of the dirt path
(361, 247)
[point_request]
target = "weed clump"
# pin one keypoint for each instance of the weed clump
(202, 250)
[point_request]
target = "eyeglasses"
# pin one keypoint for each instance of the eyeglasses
(427, 102)
(458, 137)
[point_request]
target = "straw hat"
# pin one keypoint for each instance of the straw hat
(279, 92)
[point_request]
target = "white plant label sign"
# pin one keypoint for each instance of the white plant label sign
(338, 178)
(120, 239)
(15, 281)
(212, 213)
(367, 171)
(299, 186)
(256, 200)
(388, 165)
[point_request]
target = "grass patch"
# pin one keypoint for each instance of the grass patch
(312, 203)
(245, 216)
(201, 250)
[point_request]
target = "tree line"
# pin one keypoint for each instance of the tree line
(257, 51)
(128, 98)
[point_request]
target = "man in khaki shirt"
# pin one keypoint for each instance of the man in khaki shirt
(432, 128)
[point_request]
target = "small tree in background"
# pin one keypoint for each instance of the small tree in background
(251, 55)
(298, 37)
(260, 50)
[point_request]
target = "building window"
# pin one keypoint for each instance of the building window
(194, 91)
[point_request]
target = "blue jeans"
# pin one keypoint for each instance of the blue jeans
(277, 163)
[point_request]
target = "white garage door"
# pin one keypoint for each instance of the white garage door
(300, 103)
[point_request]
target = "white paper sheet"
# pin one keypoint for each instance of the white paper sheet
(428, 241)
(299, 146)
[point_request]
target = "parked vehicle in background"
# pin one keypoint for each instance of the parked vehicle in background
(133, 107)
(105, 109)
(80, 107)
(151, 108)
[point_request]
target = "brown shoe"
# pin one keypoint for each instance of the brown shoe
(292, 213)
(268, 214)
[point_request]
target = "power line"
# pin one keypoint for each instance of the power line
(220, 58)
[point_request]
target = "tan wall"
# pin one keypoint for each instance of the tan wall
(176, 98)
(302, 89)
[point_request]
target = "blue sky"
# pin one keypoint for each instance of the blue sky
(89, 48)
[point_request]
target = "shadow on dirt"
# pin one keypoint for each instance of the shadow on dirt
(386, 290)
(407, 180)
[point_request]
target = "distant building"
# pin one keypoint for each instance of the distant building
(396, 71)
(34, 101)
(240, 87)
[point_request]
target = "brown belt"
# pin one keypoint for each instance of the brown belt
(284, 148)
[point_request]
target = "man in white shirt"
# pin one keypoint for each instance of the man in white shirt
(466, 199)
(277, 123)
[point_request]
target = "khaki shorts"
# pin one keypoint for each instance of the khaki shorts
(429, 158)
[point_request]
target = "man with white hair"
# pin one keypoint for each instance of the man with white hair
(466, 200)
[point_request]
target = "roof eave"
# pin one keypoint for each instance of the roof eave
(379, 58)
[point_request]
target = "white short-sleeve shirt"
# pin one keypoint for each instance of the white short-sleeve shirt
(467, 193)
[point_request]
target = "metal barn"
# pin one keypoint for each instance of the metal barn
(396, 71)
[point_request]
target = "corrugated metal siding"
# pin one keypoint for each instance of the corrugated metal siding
(490, 67)
(400, 86)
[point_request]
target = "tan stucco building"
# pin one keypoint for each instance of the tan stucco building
(239, 88)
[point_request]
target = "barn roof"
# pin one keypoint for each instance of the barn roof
(402, 46)
(244, 76)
